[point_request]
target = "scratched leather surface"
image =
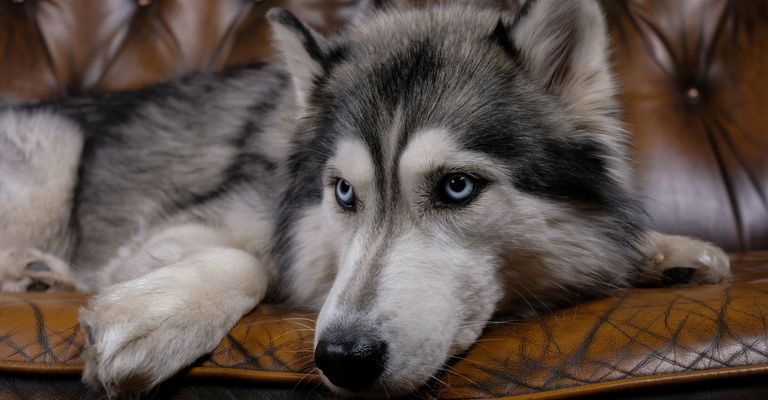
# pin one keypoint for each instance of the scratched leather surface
(635, 337)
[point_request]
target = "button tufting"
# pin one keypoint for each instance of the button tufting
(693, 95)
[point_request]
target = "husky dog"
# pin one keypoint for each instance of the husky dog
(411, 176)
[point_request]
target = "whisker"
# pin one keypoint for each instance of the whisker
(294, 331)
(533, 309)
(318, 384)
(549, 310)
(493, 340)
(305, 360)
(298, 351)
(297, 319)
(450, 370)
(305, 376)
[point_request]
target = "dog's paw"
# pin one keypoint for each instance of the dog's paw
(682, 260)
(30, 270)
(141, 332)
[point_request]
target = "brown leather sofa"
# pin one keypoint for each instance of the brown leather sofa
(695, 87)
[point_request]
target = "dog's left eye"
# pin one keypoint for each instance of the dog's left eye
(345, 194)
(458, 188)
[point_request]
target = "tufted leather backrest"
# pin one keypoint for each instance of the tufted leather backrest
(694, 75)
(695, 79)
(53, 48)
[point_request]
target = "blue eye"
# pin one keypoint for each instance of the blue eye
(457, 188)
(345, 194)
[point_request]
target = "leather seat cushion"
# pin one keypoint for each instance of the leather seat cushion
(636, 338)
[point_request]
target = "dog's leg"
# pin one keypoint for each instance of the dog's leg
(39, 158)
(142, 331)
(679, 259)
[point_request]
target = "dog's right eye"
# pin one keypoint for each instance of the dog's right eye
(458, 189)
(345, 194)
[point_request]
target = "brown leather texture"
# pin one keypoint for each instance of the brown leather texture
(634, 339)
(63, 47)
(694, 77)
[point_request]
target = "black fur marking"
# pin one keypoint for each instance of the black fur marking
(573, 171)
(97, 115)
(522, 14)
(336, 55)
(407, 81)
(288, 20)
(245, 166)
(566, 170)
(385, 5)
(501, 36)
(552, 159)
(326, 57)
(370, 103)
(109, 125)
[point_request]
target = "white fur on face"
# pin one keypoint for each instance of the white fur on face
(434, 298)
(432, 149)
(352, 162)
(434, 287)
(322, 232)
(442, 256)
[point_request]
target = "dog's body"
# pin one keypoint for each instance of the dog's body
(456, 152)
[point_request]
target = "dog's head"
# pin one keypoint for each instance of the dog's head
(461, 162)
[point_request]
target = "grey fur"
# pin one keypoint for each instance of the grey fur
(236, 172)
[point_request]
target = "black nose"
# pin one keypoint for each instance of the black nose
(352, 364)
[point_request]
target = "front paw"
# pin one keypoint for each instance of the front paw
(31, 270)
(140, 333)
(681, 259)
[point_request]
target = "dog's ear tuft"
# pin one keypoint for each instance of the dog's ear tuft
(304, 51)
(564, 46)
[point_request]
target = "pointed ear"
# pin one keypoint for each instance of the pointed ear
(304, 51)
(564, 46)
